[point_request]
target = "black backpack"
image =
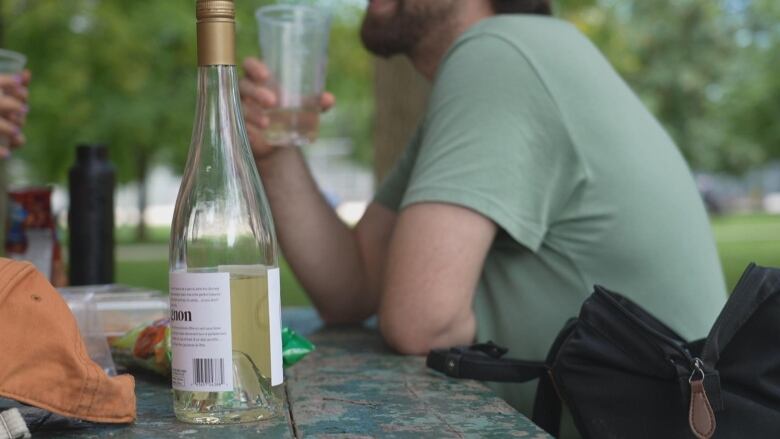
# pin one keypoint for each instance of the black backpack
(624, 374)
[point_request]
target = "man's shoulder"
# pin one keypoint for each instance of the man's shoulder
(520, 24)
(512, 42)
(522, 31)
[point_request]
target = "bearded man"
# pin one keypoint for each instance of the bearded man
(535, 173)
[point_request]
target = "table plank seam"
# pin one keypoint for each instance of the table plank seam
(447, 425)
(293, 426)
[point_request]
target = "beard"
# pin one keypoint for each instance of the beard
(401, 31)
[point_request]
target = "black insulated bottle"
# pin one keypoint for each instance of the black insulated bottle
(91, 217)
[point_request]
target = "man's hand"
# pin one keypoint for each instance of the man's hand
(256, 98)
(13, 109)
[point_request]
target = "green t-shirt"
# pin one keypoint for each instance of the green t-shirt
(531, 127)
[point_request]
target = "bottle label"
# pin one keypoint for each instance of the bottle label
(275, 319)
(201, 332)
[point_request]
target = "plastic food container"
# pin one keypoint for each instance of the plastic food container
(121, 308)
(83, 305)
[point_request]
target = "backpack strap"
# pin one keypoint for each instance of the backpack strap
(756, 286)
(483, 362)
(548, 407)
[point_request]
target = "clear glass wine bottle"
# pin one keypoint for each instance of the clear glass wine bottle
(225, 309)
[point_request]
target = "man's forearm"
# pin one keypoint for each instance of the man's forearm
(322, 251)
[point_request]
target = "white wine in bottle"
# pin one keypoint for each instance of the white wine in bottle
(224, 276)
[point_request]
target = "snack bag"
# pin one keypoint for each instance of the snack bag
(32, 233)
(149, 347)
(146, 347)
(294, 347)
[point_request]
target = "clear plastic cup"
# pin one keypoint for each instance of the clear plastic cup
(294, 46)
(11, 62)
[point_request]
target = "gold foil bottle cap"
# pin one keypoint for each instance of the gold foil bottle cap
(216, 32)
(207, 10)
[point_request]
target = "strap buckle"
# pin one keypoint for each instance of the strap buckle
(489, 348)
(454, 355)
(452, 363)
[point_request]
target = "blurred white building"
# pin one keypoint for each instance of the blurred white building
(347, 187)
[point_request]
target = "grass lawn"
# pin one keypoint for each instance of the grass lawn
(741, 239)
(146, 265)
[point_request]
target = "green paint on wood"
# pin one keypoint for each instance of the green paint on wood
(351, 385)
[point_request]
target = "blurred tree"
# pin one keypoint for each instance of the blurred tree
(750, 98)
(123, 74)
(672, 56)
(705, 68)
(119, 73)
(350, 78)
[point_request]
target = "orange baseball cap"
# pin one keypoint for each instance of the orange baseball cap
(44, 362)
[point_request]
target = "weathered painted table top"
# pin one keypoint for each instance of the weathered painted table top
(351, 386)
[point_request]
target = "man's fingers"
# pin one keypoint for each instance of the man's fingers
(255, 115)
(252, 92)
(15, 90)
(16, 84)
(260, 148)
(255, 137)
(26, 77)
(327, 101)
(18, 140)
(255, 69)
(11, 80)
(9, 104)
(18, 119)
(8, 129)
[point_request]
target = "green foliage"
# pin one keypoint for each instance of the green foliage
(751, 103)
(123, 73)
(119, 73)
(741, 239)
(153, 273)
(350, 80)
(704, 67)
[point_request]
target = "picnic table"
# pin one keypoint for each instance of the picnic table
(351, 385)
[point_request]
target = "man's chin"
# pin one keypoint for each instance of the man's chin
(382, 34)
(380, 44)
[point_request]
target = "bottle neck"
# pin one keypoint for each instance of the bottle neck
(216, 42)
(218, 119)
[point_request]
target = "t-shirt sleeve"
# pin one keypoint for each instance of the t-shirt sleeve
(494, 141)
(391, 190)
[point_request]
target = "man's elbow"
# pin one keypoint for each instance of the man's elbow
(405, 338)
(417, 336)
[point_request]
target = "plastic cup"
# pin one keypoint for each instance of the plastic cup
(294, 46)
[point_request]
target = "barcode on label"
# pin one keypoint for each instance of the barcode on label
(208, 371)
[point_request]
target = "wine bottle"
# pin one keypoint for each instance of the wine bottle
(224, 276)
